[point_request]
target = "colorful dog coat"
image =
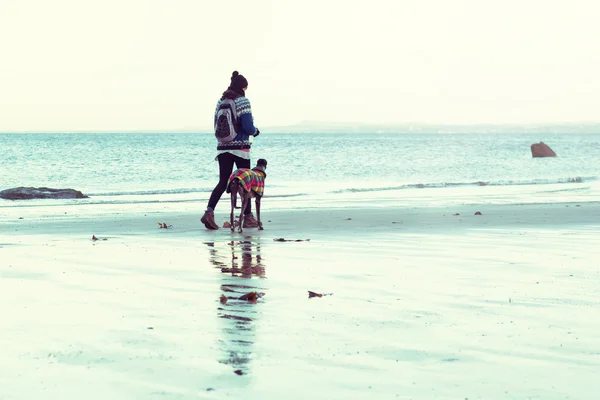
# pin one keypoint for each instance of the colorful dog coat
(251, 179)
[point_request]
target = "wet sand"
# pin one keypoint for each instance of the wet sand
(419, 303)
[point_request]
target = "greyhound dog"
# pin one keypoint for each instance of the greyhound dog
(248, 183)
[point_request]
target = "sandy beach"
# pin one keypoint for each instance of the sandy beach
(430, 193)
(418, 303)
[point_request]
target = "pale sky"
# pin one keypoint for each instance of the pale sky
(79, 65)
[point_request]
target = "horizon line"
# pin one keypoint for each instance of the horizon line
(327, 125)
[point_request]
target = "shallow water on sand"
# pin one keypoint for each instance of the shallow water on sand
(498, 311)
(417, 315)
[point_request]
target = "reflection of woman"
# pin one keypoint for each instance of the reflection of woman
(239, 315)
(248, 269)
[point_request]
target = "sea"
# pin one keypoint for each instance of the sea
(308, 170)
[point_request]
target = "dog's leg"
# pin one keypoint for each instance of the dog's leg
(244, 199)
(233, 188)
(260, 227)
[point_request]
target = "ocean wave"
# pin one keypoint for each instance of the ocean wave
(101, 199)
(157, 192)
(151, 192)
(439, 185)
(163, 192)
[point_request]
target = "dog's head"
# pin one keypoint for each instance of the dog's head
(262, 163)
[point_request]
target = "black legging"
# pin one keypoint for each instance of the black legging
(226, 161)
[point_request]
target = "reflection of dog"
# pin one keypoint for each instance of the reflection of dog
(248, 183)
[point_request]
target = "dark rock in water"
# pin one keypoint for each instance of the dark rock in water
(541, 149)
(27, 193)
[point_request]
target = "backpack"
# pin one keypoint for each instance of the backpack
(226, 122)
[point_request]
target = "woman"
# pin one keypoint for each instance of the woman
(236, 151)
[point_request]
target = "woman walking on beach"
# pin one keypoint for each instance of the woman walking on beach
(234, 125)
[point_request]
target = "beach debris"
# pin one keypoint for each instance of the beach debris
(290, 240)
(348, 219)
(478, 213)
(150, 328)
(94, 238)
(252, 297)
(396, 222)
(223, 299)
(20, 217)
(312, 294)
(455, 214)
(239, 372)
(227, 224)
(162, 225)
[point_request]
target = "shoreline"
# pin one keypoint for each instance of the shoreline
(115, 219)
(563, 190)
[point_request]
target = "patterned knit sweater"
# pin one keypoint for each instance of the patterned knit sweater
(241, 144)
(251, 179)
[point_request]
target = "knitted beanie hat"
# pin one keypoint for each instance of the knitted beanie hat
(238, 82)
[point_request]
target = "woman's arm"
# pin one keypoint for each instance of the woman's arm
(246, 118)
(247, 123)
